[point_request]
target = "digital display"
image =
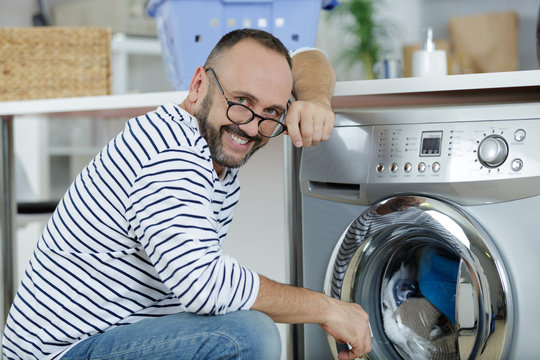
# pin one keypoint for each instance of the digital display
(431, 143)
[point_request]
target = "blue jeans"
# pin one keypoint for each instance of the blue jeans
(237, 335)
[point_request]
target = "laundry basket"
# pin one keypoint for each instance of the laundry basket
(50, 62)
(189, 29)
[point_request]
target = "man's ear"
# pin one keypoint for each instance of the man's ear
(198, 85)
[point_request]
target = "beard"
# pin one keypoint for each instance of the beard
(214, 137)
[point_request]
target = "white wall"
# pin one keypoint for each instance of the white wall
(17, 12)
(334, 39)
(411, 16)
(257, 236)
(437, 13)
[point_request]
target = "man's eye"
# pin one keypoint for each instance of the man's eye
(272, 113)
(242, 100)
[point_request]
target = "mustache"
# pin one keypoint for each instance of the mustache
(235, 129)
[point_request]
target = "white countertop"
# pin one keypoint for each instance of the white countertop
(452, 89)
(511, 79)
(486, 87)
(125, 104)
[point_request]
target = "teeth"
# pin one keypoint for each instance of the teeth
(238, 140)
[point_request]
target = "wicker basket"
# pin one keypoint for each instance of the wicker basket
(49, 62)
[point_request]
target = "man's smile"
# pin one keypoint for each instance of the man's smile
(237, 139)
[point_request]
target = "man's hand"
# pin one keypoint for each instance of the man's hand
(309, 122)
(349, 324)
(346, 322)
(310, 119)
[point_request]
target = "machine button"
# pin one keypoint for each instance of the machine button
(394, 167)
(492, 151)
(380, 168)
(421, 167)
(517, 164)
(520, 135)
(407, 167)
(436, 167)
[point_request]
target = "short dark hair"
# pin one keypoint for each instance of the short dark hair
(232, 38)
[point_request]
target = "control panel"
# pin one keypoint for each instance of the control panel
(450, 152)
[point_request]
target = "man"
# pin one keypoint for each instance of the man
(131, 260)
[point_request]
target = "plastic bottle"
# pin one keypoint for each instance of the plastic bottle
(428, 61)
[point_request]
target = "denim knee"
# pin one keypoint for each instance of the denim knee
(240, 335)
(259, 337)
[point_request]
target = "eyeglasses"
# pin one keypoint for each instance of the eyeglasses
(241, 114)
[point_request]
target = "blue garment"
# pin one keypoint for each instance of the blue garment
(238, 335)
(437, 277)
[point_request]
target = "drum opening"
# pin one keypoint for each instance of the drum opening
(418, 300)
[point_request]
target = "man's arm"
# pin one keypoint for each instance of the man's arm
(310, 119)
(346, 322)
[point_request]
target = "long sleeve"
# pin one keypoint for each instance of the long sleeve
(176, 204)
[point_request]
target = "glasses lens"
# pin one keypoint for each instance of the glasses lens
(270, 128)
(239, 114)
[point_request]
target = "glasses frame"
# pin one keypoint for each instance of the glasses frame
(253, 113)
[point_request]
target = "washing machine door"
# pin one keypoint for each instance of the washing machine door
(430, 279)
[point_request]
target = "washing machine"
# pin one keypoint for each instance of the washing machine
(427, 217)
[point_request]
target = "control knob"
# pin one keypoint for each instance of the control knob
(492, 151)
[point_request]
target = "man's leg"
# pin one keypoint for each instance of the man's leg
(237, 335)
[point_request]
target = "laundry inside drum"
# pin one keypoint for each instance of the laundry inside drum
(418, 302)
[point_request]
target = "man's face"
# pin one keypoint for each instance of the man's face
(214, 135)
(254, 76)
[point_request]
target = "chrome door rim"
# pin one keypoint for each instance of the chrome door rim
(480, 262)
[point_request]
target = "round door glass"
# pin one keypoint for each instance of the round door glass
(429, 278)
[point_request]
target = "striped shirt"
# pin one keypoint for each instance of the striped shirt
(138, 234)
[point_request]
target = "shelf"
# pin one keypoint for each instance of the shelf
(468, 88)
(125, 105)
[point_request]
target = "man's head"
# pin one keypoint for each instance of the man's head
(253, 68)
(264, 39)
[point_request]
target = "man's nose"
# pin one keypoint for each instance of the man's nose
(251, 128)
